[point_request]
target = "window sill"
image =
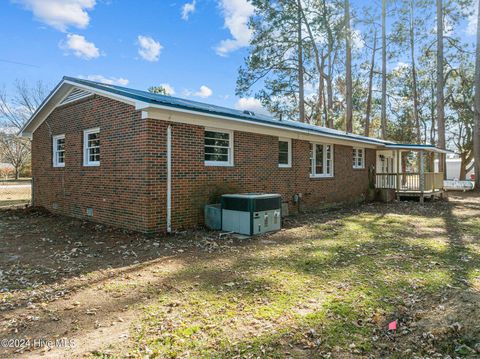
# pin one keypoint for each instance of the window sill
(58, 166)
(91, 164)
(358, 168)
(284, 166)
(218, 164)
(321, 177)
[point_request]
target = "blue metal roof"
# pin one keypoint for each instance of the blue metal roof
(204, 108)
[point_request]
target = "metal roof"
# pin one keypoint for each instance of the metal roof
(204, 108)
(171, 102)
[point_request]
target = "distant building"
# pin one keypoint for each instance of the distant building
(453, 168)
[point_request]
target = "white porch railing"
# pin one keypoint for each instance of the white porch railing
(409, 181)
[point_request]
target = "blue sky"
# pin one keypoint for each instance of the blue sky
(194, 46)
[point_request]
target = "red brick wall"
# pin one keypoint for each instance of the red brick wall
(116, 189)
(128, 189)
(255, 170)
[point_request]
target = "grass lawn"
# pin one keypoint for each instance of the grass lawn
(15, 193)
(325, 286)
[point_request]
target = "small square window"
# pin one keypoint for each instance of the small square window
(91, 147)
(58, 151)
(284, 152)
(218, 148)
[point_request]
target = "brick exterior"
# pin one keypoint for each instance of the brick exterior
(128, 189)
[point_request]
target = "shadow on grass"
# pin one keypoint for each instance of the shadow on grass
(337, 283)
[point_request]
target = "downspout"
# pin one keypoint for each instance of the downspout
(169, 179)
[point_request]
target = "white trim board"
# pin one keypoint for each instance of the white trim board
(246, 126)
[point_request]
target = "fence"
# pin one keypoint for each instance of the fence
(15, 192)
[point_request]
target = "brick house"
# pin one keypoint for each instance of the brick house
(150, 162)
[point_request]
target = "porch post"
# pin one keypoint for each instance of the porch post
(398, 170)
(422, 175)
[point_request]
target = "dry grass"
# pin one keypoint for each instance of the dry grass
(325, 286)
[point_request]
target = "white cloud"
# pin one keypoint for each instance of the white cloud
(106, 80)
(357, 40)
(236, 14)
(203, 92)
(400, 65)
(187, 9)
(80, 47)
(149, 48)
(168, 89)
(60, 14)
(251, 104)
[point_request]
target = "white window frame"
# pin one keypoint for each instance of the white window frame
(55, 151)
(355, 157)
(86, 161)
(229, 162)
(313, 160)
(289, 164)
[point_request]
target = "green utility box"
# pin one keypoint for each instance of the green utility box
(251, 213)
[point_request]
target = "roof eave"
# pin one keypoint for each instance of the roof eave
(416, 147)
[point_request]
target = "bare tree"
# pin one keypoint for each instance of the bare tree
(476, 117)
(440, 85)
(17, 109)
(301, 90)
(414, 71)
(384, 70)
(370, 85)
(15, 150)
(348, 70)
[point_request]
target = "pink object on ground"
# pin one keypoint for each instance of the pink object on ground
(392, 325)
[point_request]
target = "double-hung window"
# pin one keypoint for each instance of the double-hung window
(58, 153)
(284, 152)
(358, 158)
(218, 147)
(91, 147)
(321, 160)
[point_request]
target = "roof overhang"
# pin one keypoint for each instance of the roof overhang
(415, 147)
(56, 96)
(222, 122)
(156, 110)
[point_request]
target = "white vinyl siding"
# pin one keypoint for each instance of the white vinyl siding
(58, 151)
(321, 160)
(358, 158)
(91, 147)
(218, 147)
(284, 152)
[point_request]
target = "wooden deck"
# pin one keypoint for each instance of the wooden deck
(422, 185)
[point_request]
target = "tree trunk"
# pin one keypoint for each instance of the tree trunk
(330, 64)
(301, 93)
(348, 70)
(319, 64)
(440, 85)
(384, 70)
(476, 129)
(17, 173)
(370, 87)
(463, 167)
(325, 109)
(432, 115)
(330, 89)
(414, 73)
